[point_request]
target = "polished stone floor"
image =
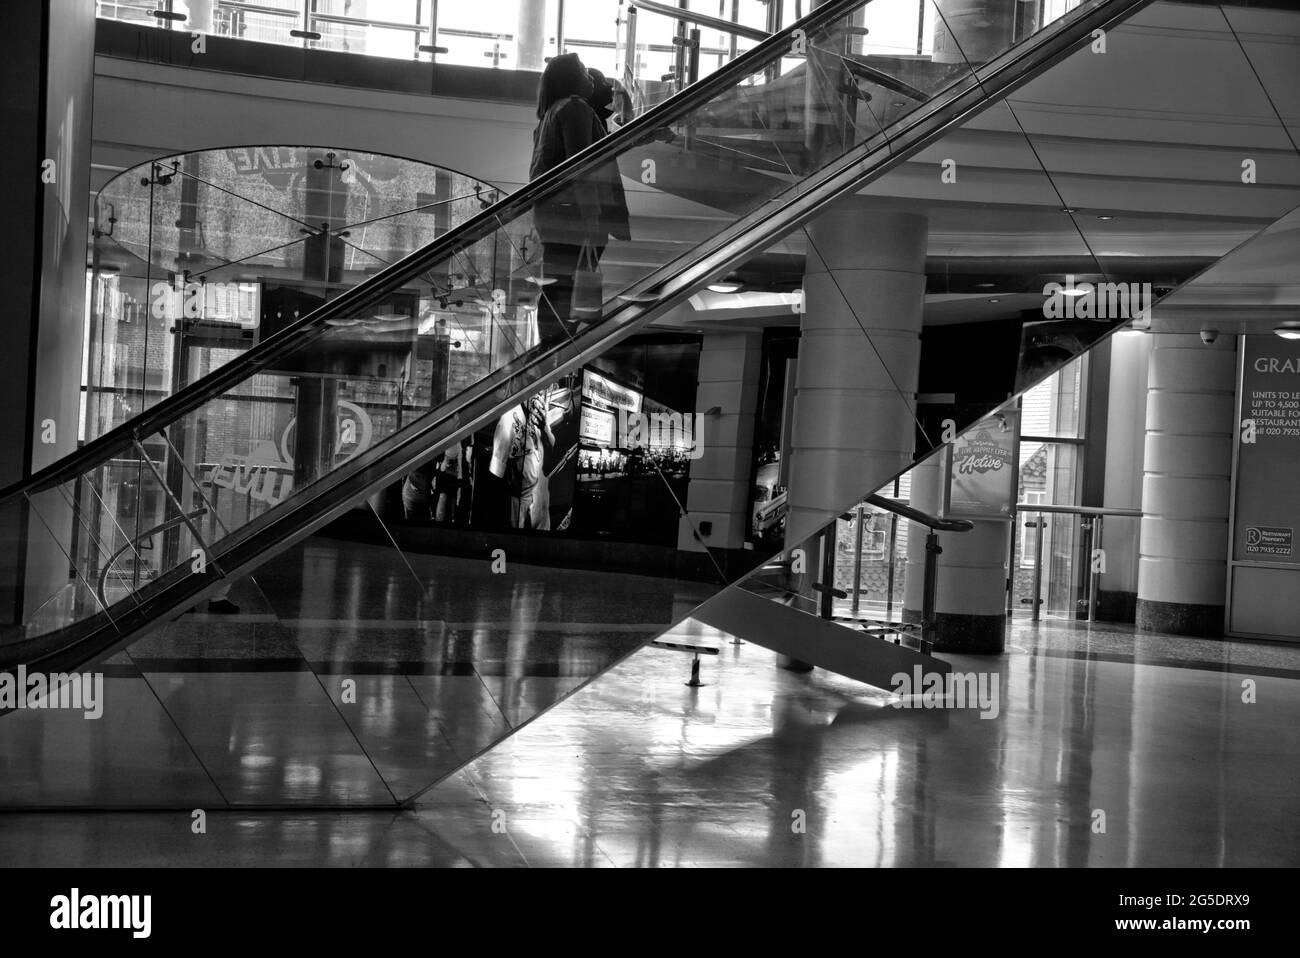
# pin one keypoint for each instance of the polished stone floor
(1109, 747)
(352, 675)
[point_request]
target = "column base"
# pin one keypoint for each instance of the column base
(1116, 606)
(1180, 618)
(966, 634)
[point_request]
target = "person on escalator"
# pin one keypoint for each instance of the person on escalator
(614, 217)
(418, 494)
(569, 221)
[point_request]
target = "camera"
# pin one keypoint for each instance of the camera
(1209, 335)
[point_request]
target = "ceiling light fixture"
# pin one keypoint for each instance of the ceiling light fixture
(1107, 218)
(1288, 330)
(995, 300)
(1069, 209)
(726, 286)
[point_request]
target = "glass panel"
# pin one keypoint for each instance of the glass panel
(1052, 408)
(196, 259)
(383, 28)
(1049, 475)
(474, 328)
(272, 26)
(485, 34)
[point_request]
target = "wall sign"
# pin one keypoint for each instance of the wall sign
(981, 468)
(1268, 452)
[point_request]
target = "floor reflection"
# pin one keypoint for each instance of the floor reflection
(1109, 748)
(351, 676)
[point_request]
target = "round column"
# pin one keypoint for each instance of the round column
(531, 31)
(200, 16)
(1185, 489)
(1126, 416)
(971, 574)
(976, 31)
(859, 359)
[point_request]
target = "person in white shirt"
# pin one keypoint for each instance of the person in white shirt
(522, 440)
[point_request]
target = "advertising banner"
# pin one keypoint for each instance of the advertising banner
(1268, 451)
(603, 393)
(982, 468)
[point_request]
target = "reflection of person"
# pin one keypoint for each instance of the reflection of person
(453, 486)
(520, 445)
(570, 219)
(564, 450)
(614, 219)
(417, 493)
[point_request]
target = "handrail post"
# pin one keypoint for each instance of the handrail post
(928, 625)
(1094, 576)
(631, 78)
(827, 571)
(1039, 524)
(1085, 527)
(693, 56)
(889, 585)
(857, 563)
(679, 56)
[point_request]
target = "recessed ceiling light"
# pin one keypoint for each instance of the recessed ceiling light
(724, 287)
(1074, 291)
(1107, 218)
(995, 300)
(1069, 209)
(1288, 330)
(985, 285)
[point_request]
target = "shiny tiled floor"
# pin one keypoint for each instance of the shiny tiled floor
(1110, 748)
(353, 676)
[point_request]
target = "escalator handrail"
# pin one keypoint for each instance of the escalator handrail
(265, 353)
(916, 515)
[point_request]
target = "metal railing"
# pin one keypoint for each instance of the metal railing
(1092, 520)
(929, 587)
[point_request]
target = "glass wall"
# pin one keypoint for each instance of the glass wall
(523, 34)
(1051, 453)
(195, 258)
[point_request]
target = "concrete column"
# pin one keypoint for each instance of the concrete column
(971, 578)
(1126, 416)
(976, 31)
(532, 34)
(200, 16)
(859, 359)
(720, 478)
(1185, 491)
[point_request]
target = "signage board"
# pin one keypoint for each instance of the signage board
(1267, 509)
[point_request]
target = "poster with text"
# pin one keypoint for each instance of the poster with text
(1268, 453)
(982, 475)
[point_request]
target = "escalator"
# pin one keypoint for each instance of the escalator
(757, 149)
